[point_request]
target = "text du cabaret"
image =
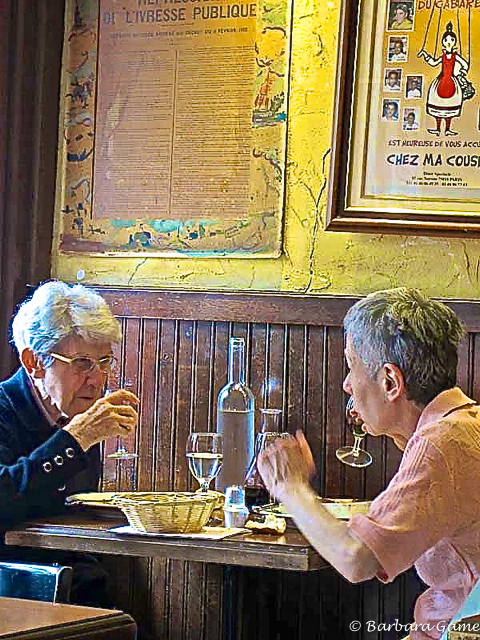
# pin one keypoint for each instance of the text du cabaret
(448, 4)
(180, 10)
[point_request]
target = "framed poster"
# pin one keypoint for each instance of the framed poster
(406, 142)
(173, 133)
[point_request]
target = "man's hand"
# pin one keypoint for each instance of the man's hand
(286, 467)
(113, 415)
(285, 464)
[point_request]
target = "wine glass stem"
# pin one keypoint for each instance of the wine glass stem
(134, 477)
(356, 445)
(127, 474)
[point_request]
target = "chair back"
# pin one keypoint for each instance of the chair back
(50, 583)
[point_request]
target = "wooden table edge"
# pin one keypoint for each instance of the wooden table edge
(251, 554)
(100, 620)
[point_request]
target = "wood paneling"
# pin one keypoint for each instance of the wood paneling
(174, 354)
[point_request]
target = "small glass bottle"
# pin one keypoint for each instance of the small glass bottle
(234, 510)
(256, 493)
(235, 419)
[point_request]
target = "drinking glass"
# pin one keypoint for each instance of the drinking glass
(121, 453)
(354, 456)
(205, 457)
(271, 420)
(256, 493)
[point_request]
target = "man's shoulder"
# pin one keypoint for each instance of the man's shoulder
(454, 436)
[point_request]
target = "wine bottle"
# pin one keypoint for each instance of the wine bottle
(235, 419)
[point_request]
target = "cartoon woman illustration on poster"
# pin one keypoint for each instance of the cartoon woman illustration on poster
(450, 88)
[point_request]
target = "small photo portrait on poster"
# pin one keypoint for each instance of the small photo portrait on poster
(414, 87)
(400, 15)
(390, 110)
(410, 119)
(392, 80)
(397, 49)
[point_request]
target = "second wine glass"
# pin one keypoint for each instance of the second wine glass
(205, 457)
(354, 456)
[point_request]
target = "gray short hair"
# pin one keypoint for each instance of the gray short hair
(419, 335)
(58, 310)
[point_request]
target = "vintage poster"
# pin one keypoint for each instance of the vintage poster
(406, 131)
(424, 118)
(173, 139)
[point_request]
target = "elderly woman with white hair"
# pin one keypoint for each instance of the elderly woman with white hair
(53, 413)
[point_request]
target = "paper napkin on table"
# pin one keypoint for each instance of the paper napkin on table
(207, 533)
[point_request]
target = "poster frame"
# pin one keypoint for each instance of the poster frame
(78, 234)
(390, 215)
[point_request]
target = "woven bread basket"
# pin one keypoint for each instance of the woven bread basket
(166, 512)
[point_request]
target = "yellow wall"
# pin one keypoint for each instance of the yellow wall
(314, 261)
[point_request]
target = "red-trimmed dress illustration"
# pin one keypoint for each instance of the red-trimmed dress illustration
(445, 96)
(444, 99)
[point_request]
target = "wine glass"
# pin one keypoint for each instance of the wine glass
(121, 453)
(205, 457)
(354, 456)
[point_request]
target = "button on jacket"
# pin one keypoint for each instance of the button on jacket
(39, 464)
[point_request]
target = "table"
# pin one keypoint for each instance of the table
(31, 619)
(84, 532)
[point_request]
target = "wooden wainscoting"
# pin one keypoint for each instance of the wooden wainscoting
(174, 356)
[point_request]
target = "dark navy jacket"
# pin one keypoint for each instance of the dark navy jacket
(39, 464)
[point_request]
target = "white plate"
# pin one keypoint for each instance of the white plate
(92, 499)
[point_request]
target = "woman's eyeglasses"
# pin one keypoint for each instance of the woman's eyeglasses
(85, 365)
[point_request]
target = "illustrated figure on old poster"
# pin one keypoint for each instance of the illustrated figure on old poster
(451, 87)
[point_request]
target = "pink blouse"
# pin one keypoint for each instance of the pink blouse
(429, 514)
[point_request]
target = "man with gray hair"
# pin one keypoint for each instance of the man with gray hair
(401, 350)
(53, 413)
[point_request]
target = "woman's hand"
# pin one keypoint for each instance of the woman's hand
(286, 464)
(112, 415)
